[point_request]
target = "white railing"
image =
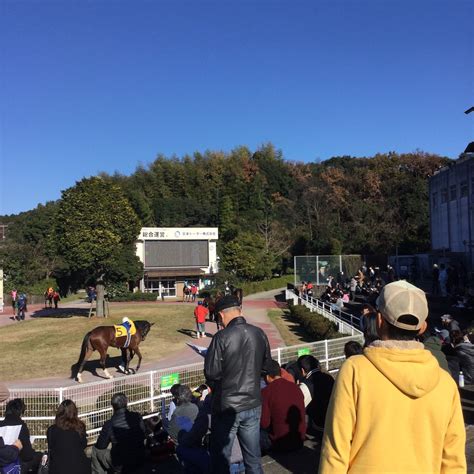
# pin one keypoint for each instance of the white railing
(347, 323)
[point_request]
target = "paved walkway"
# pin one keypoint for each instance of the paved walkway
(255, 309)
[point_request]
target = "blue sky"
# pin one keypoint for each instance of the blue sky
(90, 86)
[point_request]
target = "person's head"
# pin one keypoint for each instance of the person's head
(15, 407)
(352, 348)
(184, 395)
(125, 319)
(307, 363)
(174, 390)
(446, 319)
(119, 400)
(67, 419)
(199, 303)
(402, 311)
(272, 371)
(228, 308)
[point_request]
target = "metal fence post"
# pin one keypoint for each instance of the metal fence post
(326, 349)
(152, 392)
(279, 355)
(61, 394)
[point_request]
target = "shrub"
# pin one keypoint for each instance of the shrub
(316, 325)
(137, 296)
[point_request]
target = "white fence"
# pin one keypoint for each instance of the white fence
(149, 392)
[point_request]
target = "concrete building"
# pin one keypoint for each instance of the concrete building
(172, 256)
(451, 208)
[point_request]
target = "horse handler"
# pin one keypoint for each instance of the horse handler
(200, 313)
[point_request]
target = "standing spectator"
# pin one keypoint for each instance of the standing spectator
(316, 388)
(56, 298)
(29, 458)
(233, 366)
(435, 280)
(367, 311)
(450, 323)
(396, 391)
(194, 290)
(13, 295)
(21, 306)
(353, 287)
(186, 292)
(283, 413)
(126, 432)
(370, 332)
(67, 441)
(443, 280)
(200, 313)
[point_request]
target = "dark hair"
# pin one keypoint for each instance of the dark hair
(119, 400)
(15, 407)
(308, 363)
(174, 390)
(67, 419)
(352, 348)
(184, 395)
(398, 334)
(370, 332)
(273, 369)
(456, 337)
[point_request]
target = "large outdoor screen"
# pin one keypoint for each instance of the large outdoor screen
(176, 253)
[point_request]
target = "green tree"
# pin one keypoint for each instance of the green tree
(95, 232)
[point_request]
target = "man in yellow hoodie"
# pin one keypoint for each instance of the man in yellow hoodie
(393, 409)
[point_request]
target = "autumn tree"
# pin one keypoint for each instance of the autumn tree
(96, 229)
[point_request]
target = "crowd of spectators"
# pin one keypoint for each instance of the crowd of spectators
(250, 405)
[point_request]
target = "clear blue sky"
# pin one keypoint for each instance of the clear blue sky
(90, 86)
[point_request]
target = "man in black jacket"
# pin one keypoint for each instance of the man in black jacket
(233, 366)
(126, 432)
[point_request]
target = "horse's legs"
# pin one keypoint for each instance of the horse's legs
(103, 356)
(89, 351)
(139, 354)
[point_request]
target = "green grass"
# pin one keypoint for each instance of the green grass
(47, 347)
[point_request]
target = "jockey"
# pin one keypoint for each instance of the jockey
(126, 323)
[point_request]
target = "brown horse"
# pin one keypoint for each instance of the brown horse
(103, 337)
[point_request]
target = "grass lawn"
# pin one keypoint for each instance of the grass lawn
(291, 332)
(48, 346)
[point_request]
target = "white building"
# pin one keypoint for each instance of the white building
(451, 207)
(172, 256)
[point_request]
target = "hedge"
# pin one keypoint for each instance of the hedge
(317, 326)
(137, 296)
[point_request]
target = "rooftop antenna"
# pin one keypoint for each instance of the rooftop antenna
(468, 111)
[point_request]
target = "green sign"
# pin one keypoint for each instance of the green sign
(167, 381)
(304, 351)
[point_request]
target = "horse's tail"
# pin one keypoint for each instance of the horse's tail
(85, 345)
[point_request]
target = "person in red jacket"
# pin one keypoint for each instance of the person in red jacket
(283, 422)
(200, 313)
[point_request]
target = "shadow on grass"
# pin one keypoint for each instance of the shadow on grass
(294, 327)
(61, 313)
(187, 332)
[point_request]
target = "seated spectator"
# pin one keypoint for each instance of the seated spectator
(283, 425)
(293, 370)
(185, 413)
(172, 405)
(352, 348)
(465, 352)
(9, 454)
(370, 332)
(191, 451)
(433, 343)
(449, 323)
(125, 431)
(316, 388)
(29, 458)
(67, 440)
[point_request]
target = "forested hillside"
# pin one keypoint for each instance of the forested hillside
(267, 209)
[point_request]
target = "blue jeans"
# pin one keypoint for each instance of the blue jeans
(225, 426)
